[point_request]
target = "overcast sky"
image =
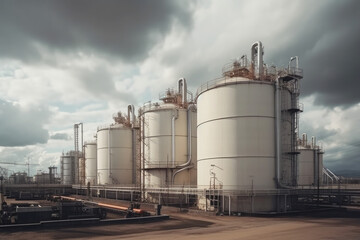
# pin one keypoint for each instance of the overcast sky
(64, 62)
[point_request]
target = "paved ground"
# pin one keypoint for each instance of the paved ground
(335, 225)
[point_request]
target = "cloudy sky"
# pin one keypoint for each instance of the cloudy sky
(64, 62)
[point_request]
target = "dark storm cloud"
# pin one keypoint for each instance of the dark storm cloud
(127, 29)
(60, 136)
(343, 158)
(21, 127)
(327, 41)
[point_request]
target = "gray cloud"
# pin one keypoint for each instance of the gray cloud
(20, 127)
(126, 29)
(101, 84)
(326, 39)
(15, 155)
(60, 136)
(343, 158)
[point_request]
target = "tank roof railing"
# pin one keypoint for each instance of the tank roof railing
(90, 142)
(156, 105)
(107, 126)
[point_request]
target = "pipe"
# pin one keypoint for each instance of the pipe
(186, 165)
(178, 171)
(182, 88)
(142, 161)
(329, 171)
(257, 48)
(174, 117)
(131, 109)
(277, 128)
(133, 155)
(313, 142)
(327, 174)
(131, 118)
(243, 61)
(189, 136)
(304, 140)
(109, 155)
(297, 62)
(135, 210)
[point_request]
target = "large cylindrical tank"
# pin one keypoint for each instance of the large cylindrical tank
(114, 155)
(236, 134)
(67, 169)
(165, 145)
(90, 162)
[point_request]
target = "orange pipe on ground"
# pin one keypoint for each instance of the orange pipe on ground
(135, 210)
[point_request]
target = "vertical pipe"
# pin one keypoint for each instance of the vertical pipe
(182, 89)
(109, 155)
(257, 49)
(133, 155)
(174, 117)
(229, 205)
(143, 160)
(277, 128)
(304, 140)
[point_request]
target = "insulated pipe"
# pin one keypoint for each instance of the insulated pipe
(304, 140)
(297, 62)
(174, 117)
(109, 153)
(182, 88)
(313, 142)
(259, 52)
(243, 61)
(189, 145)
(329, 171)
(131, 109)
(135, 210)
(180, 170)
(189, 133)
(277, 128)
(327, 174)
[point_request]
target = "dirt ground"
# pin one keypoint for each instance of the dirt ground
(333, 225)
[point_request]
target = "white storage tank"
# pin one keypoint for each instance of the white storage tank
(90, 162)
(114, 154)
(169, 140)
(68, 168)
(116, 150)
(236, 135)
(310, 162)
(245, 127)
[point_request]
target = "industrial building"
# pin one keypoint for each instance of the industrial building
(232, 147)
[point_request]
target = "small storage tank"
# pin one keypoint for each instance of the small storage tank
(169, 140)
(115, 153)
(68, 168)
(310, 162)
(90, 162)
